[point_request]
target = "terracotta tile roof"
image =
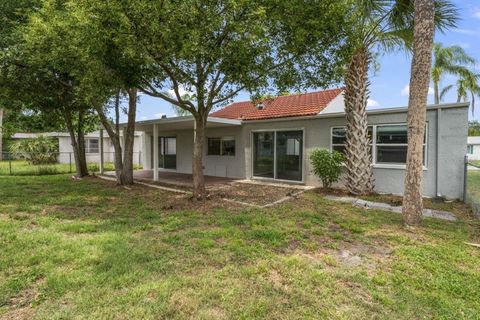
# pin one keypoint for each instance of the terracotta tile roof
(307, 104)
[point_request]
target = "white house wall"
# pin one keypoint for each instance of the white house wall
(66, 151)
(452, 149)
(444, 160)
(222, 166)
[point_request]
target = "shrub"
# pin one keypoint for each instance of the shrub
(47, 170)
(38, 151)
(327, 165)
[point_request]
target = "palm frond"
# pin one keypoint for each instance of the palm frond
(445, 90)
(446, 15)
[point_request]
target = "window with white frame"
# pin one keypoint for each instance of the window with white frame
(339, 138)
(470, 149)
(91, 146)
(224, 146)
(389, 143)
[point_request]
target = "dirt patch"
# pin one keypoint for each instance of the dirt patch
(21, 305)
(255, 194)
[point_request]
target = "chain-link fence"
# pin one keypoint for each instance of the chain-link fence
(472, 185)
(26, 164)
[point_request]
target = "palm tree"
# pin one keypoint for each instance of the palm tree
(424, 28)
(448, 60)
(468, 84)
(382, 25)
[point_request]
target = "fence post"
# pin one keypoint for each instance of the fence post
(139, 158)
(10, 163)
(465, 176)
(70, 161)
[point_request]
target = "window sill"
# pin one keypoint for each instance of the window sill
(394, 166)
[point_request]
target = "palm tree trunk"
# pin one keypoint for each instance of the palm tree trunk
(436, 93)
(358, 150)
(419, 81)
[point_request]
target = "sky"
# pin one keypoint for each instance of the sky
(389, 84)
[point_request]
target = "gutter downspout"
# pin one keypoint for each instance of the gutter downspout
(437, 169)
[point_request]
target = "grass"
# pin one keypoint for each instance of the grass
(23, 168)
(88, 249)
(473, 190)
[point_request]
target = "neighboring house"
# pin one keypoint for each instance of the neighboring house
(272, 141)
(473, 148)
(92, 146)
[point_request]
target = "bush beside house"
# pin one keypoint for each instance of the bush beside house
(327, 165)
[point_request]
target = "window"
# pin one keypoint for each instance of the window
(228, 146)
(470, 149)
(389, 143)
(224, 146)
(91, 146)
(339, 138)
(214, 146)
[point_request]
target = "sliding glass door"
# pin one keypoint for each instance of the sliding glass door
(167, 158)
(289, 146)
(278, 155)
(167, 152)
(263, 144)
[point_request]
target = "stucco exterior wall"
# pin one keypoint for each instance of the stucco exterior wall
(443, 174)
(388, 179)
(221, 166)
(66, 150)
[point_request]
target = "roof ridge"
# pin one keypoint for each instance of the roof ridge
(291, 95)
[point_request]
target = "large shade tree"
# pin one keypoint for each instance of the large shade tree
(216, 49)
(375, 26)
(89, 40)
(30, 80)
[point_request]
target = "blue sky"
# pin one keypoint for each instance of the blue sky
(389, 84)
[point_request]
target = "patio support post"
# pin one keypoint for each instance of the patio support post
(102, 169)
(155, 152)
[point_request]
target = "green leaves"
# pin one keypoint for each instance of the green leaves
(327, 165)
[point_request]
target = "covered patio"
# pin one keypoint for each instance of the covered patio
(167, 146)
(178, 179)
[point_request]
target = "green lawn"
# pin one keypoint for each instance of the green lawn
(23, 168)
(91, 250)
(473, 189)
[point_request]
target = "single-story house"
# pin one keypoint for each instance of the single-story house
(473, 148)
(271, 141)
(92, 145)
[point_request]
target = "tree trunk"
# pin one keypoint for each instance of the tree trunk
(436, 93)
(1, 134)
(80, 172)
(114, 136)
(82, 159)
(358, 149)
(419, 82)
(129, 137)
(197, 163)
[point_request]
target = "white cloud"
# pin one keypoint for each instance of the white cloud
(469, 32)
(476, 14)
(372, 103)
(465, 45)
(143, 118)
(159, 115)
(181, 90)
(406, 90)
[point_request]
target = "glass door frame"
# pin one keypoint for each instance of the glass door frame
(161, 166)
(252, 146)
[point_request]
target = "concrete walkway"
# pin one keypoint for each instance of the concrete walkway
(444, 215)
